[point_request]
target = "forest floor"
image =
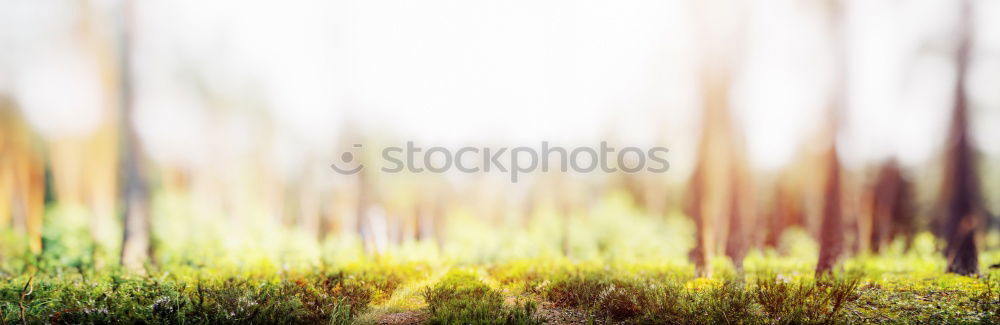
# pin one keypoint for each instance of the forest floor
(518, 292)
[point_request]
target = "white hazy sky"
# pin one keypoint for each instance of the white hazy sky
(520, 71)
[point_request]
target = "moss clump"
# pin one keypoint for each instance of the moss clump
(461, 298)
(167, 298)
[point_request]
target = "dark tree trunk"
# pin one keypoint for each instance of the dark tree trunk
(891, 207)
(960, 193)
(785, 211)
(831, 236)
(736, 241)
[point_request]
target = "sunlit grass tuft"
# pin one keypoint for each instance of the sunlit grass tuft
(461, 297)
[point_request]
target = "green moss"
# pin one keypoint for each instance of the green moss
(462, 298)
(515, 293)
(191, 297)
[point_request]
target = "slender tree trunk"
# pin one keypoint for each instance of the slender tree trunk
(362, 222)
(136, 248)
(831, 235)
(22, 177)
(739, 211)
(891, 207)
(884, 202)
(715, 193)
(961, 197)
(699, 255)
(786, 209)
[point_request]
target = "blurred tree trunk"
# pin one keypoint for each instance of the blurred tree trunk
(831, 235)
(717, 191)
(22, 176)
(85, 170)
(891, 207)
(787, 207)
(960, 192)
(136, 247)
(718, 185)
(6, 172)
(701, 253)
(741, 209)
(362, 223)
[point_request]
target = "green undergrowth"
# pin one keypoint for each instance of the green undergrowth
(192, 296)
(673, 295)
(462, 298)
(617, 297)
(516, 292)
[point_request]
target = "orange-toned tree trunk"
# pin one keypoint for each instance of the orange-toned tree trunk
(719, 185)
(22, 174)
